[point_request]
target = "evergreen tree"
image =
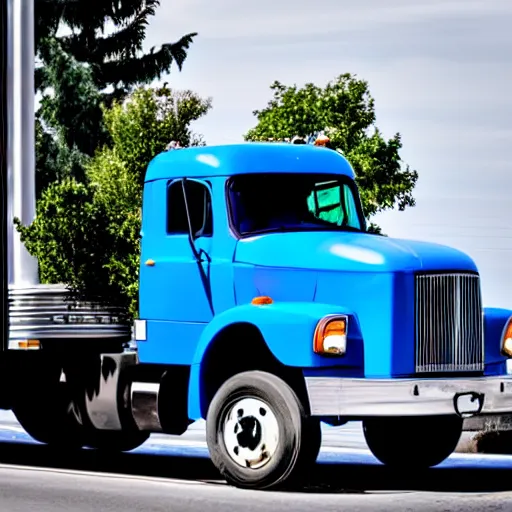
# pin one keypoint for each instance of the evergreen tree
(69, 124)
(116, 59)
(78, 72)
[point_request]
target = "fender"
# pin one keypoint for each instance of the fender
(287, 329)
(495, 320)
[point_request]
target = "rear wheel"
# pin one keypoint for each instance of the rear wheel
(115, 441)
(45, 409)
(258, 433)
(413, 442)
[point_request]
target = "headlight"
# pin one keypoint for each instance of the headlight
(331, 335)
(506, 339)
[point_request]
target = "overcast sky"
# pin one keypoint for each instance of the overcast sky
(439, 70)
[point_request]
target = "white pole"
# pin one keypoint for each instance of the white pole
(9, 156)
(22, 137)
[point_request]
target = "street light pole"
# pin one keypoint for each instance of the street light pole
(4, 227)
(21, 144)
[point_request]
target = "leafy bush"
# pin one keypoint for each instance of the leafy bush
(86, 235)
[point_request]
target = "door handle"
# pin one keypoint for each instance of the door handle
(150, 263)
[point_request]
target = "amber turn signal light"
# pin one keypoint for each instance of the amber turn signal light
(330, 336)
(506, 339)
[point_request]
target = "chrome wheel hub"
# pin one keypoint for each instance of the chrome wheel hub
(251, 433)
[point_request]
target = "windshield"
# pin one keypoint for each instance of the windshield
(261, 203)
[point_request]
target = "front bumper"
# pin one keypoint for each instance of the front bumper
(360, 398)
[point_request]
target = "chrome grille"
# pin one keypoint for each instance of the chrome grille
(449, 323)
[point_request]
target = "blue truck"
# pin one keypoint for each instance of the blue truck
(266, 308)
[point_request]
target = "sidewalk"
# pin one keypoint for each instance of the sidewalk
(348, 436)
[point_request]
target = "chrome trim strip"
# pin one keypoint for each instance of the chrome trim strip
(358, 398)
(45, 312)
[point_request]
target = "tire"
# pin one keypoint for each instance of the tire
(413, 442)
(115, 441)
(283, 448)
(311, 443)
(46, 412)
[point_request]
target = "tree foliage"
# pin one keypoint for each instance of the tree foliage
(116, 58)
(86, 234)
(77, 72)
(345, 111)
(143, 126)
(69, 124)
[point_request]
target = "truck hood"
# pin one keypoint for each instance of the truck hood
(351, 252)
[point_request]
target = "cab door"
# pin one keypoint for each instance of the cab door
(175, 295)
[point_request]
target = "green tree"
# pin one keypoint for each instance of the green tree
(79, 71)
(69, 124)
(160, 115)
(345, 111)
(116, 58)
(86, 234)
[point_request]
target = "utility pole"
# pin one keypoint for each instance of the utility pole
(21, 145)
(4, 309)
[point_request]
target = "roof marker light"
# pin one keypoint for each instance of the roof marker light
(261, 301)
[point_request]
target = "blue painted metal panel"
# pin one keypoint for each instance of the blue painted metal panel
(371, 275)
(287, 329)
(282, 284)
(172, 343)
(252, 157)
(349, 252)
(374, 298)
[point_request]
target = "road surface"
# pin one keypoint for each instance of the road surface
(173, 474)
(34, 478)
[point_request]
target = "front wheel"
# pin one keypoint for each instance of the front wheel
(413, 442)
(258, 434)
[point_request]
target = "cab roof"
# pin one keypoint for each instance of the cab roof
(246, 158)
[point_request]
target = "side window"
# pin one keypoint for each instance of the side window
(350, 205)
(334, 203)
(326, 203)
(199, 203)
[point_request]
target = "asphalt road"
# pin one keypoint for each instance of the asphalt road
(175, 474)
(44, 482)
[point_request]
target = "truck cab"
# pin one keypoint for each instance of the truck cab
(266, 308)
(256, 263)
